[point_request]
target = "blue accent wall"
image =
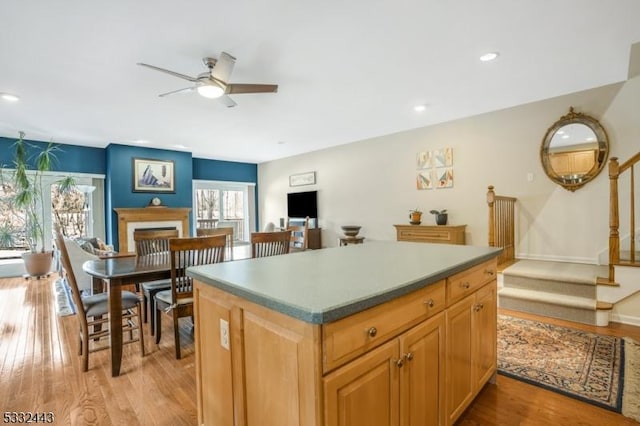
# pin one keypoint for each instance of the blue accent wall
(224, 170)
(115, 162)
(70, 158)
(119, 182)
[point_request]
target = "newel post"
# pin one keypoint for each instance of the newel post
(614, 220)
(491, 198)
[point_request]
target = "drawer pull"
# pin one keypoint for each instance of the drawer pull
(372, 332)
(465, 285)
(490, 272)
(408, 356)
(400, 363)
(429, 303)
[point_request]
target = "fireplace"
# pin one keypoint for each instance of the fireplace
(130, 219)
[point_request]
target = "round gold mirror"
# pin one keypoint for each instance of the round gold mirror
(574, 150)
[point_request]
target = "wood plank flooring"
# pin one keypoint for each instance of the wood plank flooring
(40, 371)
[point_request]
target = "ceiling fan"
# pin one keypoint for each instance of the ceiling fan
(215, 82)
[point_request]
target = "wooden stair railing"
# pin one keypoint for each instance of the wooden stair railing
(615, 171)
(502, 226)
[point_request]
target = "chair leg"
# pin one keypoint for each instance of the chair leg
(140, 329)
(152, 308)
(144, 306)
(176, 334)
(157, 323)
(85, 351)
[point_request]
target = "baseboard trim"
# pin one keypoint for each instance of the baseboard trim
(625, 319)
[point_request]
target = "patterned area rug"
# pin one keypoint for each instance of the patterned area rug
(576, 363)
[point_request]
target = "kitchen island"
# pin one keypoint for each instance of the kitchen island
(383, 333)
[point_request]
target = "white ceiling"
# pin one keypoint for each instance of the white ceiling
(346, 70)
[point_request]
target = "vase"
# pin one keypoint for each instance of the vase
(38, 264)
(441, 219)
(415, 218)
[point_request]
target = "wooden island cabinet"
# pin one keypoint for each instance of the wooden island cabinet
(344, 345)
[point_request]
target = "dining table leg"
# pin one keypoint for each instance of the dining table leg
(115, 325)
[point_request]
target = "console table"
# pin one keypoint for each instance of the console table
(444, 234)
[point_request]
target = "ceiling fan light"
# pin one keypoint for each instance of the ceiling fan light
(210, 91)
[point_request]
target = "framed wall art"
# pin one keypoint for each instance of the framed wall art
(153, 175)
(300, 179)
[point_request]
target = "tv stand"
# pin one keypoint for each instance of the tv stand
(315, 238)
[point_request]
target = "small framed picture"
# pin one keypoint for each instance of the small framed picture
(300, 179)
(153, 175)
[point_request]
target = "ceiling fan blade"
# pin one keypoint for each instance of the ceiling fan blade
(223, 67)
(173, 73)
(227, 101)
(187, 89)
(251, 88)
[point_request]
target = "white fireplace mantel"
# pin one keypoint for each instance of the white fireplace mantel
(130, 219)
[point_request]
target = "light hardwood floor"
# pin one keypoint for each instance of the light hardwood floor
(40, 371)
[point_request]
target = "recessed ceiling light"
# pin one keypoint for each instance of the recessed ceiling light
(419, 108)
(9, 97)
(489, 56)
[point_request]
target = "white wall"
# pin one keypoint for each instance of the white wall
(372, 182)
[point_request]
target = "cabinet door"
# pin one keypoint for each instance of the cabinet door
(485, 330)
(213, 361)
(365, 392)
(422, 376)
(460, 385)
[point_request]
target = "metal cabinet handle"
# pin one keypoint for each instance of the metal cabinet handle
(408, 356)
(429, 303)
(400, 362)
(372, 332)
(490, 272)
(466, 285)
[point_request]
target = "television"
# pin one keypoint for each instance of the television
(302, 204)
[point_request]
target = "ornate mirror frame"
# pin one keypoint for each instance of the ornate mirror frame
(573, 163)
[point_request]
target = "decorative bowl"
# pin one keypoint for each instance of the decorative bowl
(351, 230)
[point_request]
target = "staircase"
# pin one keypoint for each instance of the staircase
(555, 289)
(575, 292)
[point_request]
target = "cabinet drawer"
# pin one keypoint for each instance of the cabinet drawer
(349, 337)
(466, 282)
(427, 235)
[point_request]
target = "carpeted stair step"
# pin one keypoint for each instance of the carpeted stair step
(573, 308)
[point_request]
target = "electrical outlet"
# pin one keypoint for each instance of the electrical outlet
(224, 334)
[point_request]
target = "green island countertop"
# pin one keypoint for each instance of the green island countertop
(321, 286)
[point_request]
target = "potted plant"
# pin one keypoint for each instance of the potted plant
(415, 216)
(441, 216)
(27, 201)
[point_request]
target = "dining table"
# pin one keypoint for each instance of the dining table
(119, 271)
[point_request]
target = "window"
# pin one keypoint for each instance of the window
(224, 204)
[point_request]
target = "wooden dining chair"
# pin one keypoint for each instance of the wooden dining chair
(265, 244)
(93, 311)
(299, 235)
(178, 301)
(150, 242)
(226, 231)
